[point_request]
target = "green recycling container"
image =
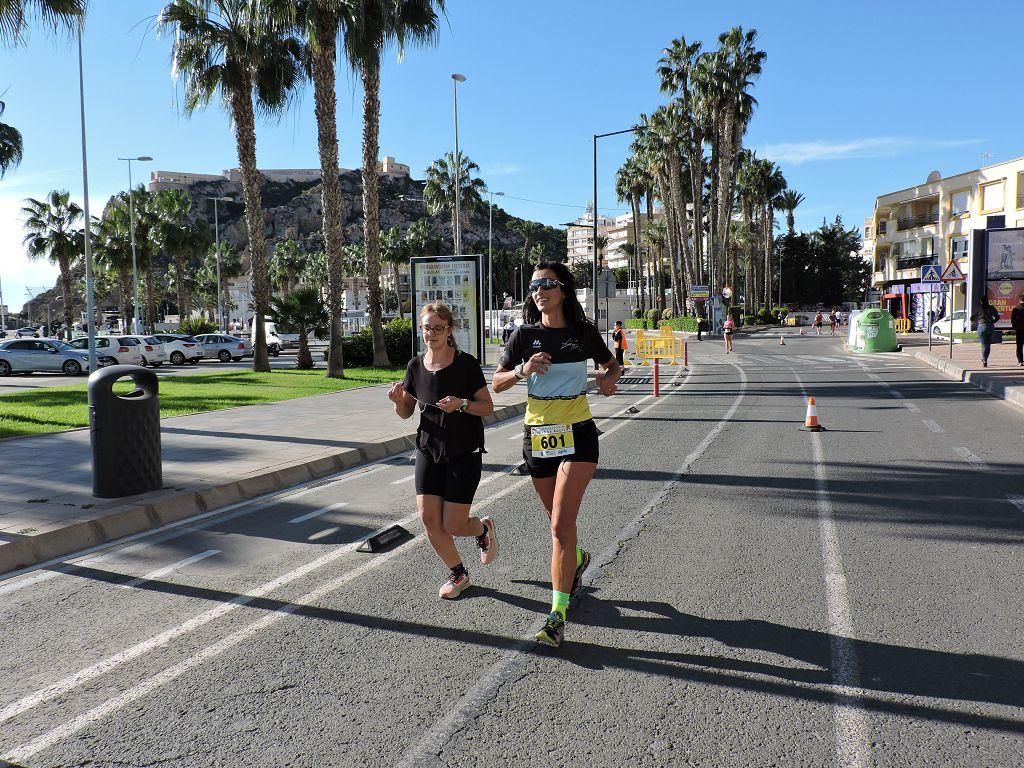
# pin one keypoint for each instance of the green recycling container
(874, 331)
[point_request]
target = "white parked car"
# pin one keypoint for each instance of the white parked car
(181, 349)
(222, 347)
(152, 349)
(112, 350)
(31, 355)
(958, 323)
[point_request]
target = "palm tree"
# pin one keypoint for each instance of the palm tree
(111, 238)
(287, 264)
(394, 250)
(374, 25)
(439, 191)
(655, 233)
(629, 185)
(170, 233)
(220, 46)
(10, 145)
(52, 231)
(302, 311)
(788, 201)
(528, 229)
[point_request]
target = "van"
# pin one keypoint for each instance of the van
(274, 343)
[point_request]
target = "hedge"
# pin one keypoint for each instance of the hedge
(688, 324)
(358, 348)
(750, 319)
(636, 323)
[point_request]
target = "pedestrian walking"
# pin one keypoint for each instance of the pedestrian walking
(620, 342)
(700, 327)
(727, 330)
(985, 316)
(560, 442)
(1017, 323)
(819, 320)
(833, 321)
(450, 389)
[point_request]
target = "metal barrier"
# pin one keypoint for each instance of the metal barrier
(665, 346)
(125, 433)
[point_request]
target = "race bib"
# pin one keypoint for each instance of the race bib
(552, 440)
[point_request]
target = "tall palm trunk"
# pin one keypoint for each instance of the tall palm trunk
(768, 242)
(634, 205)
(679, 207)
(697, 191)
(670, 221)
(325, 108)
(179, 271)
(124, 285)
(398, 290)
(371, 204)
(65, 286)
(245, 138)
(150, 297)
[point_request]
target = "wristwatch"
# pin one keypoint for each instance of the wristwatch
(518, 372)
(465, 406)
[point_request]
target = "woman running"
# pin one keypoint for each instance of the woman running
(550, 350)
(727, 329)
(452, 394)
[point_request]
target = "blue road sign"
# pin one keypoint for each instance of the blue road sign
(930, 273)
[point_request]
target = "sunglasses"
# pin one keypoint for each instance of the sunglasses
(434, 328)
(547, 283)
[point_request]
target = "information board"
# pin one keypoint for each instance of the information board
(454, 280)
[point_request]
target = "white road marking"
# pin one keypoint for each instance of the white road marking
(1017, 501)
(317, 513)
(852, 744)
(159, 574)
(59, 688)
(323, 534)
(968, 456)
(912, 407)
(405, 479)
(933, 426)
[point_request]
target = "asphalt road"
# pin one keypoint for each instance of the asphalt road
(760, 596)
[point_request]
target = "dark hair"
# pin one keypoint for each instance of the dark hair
(984, 300)
(573, 312)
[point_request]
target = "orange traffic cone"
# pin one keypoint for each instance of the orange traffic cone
(782, 340)
(811, 421)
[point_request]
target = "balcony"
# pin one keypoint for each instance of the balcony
(920, 220)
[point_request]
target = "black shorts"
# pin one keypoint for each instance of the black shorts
(455, 480)
(584, 435)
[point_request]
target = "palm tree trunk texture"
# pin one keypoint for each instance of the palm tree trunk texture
(768, 216)
(179, 273)
(65, 287)
(634, 204)
(125, 286)
(673, 252)
(697, 192)
(245, 138)
(325, 108)
(371, 204)
(150, 297)
(304, 360)
(724, 202)
(679, 207)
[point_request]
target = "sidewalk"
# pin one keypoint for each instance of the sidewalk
(210, 460)
(1003, 377)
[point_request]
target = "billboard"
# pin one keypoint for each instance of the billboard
(1005, 255)
(1003, 295)
(455, 280)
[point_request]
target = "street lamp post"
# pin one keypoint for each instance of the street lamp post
(90, 308)
(457, 235)
(216, 250)
(490, 259)
(131, 225)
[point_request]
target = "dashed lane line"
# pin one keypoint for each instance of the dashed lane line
(933, 426)
(967, 455)
(317, 512)
(160, 573)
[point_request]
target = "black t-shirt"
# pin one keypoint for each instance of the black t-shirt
(440, 435)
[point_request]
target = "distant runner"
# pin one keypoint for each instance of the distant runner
(451, 391)
(819, 320)
(550, 350)
(727, 330)
(621, 344)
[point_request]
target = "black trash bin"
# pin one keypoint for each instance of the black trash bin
(125, 433)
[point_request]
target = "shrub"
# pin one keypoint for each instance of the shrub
(358, 347)
(190, 326)
(653, 316)
(750, 320)
(688, 324)
(636, 322)
(668, 314)
(638, 313)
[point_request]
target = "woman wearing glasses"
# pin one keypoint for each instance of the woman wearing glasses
(452, 395)
(550, 350)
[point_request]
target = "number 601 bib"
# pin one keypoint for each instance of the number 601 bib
(551, 441)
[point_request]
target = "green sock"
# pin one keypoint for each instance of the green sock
(559, 602)
(579, 556)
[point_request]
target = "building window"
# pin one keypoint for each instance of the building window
(867, 233)
(1020, 189)
(959, 203)
(992, 197)
(958, 247)
(913, 253)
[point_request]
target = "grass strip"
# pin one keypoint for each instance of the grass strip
(54, 409)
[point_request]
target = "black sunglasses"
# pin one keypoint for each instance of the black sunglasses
(547, 283)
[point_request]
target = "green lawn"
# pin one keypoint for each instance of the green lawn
(53, 409)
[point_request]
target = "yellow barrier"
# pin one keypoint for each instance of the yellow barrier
(664, 346)
(902, 325)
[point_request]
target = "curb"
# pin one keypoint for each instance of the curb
(30, 550)
(994, 385)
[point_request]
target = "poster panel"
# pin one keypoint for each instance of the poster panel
(1005, 254)
(455, 280)
(1003, 295)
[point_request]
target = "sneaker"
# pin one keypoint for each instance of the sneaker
(578, 578)
(488, 542)
(553, 630)
(454, 587)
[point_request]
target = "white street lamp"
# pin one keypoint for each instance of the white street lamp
(90, 307)
(457, 235)
(490, 259)
(136, 324)
(216, 234)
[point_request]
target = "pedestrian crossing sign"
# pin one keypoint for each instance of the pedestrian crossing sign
(952, 273)
(930, 273)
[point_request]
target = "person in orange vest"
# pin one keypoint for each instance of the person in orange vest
(621, 345)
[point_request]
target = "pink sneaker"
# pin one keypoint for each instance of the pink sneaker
(488, 542)
(454, 587)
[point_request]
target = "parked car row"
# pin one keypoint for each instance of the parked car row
(35, 355)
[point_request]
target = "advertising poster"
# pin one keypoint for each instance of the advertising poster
(455, 280)
(1005, 255)
(1003, 295)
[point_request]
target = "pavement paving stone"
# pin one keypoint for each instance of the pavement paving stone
(210, 460)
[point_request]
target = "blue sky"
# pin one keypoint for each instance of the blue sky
(856, 100)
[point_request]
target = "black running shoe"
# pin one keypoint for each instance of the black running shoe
(553, 630)
(578, 578)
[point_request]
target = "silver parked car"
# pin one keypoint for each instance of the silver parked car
(181, 349)
(31, 355)
(112, 350)
(224, 347)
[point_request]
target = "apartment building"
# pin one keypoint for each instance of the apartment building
(966, 217)
(580, 236)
